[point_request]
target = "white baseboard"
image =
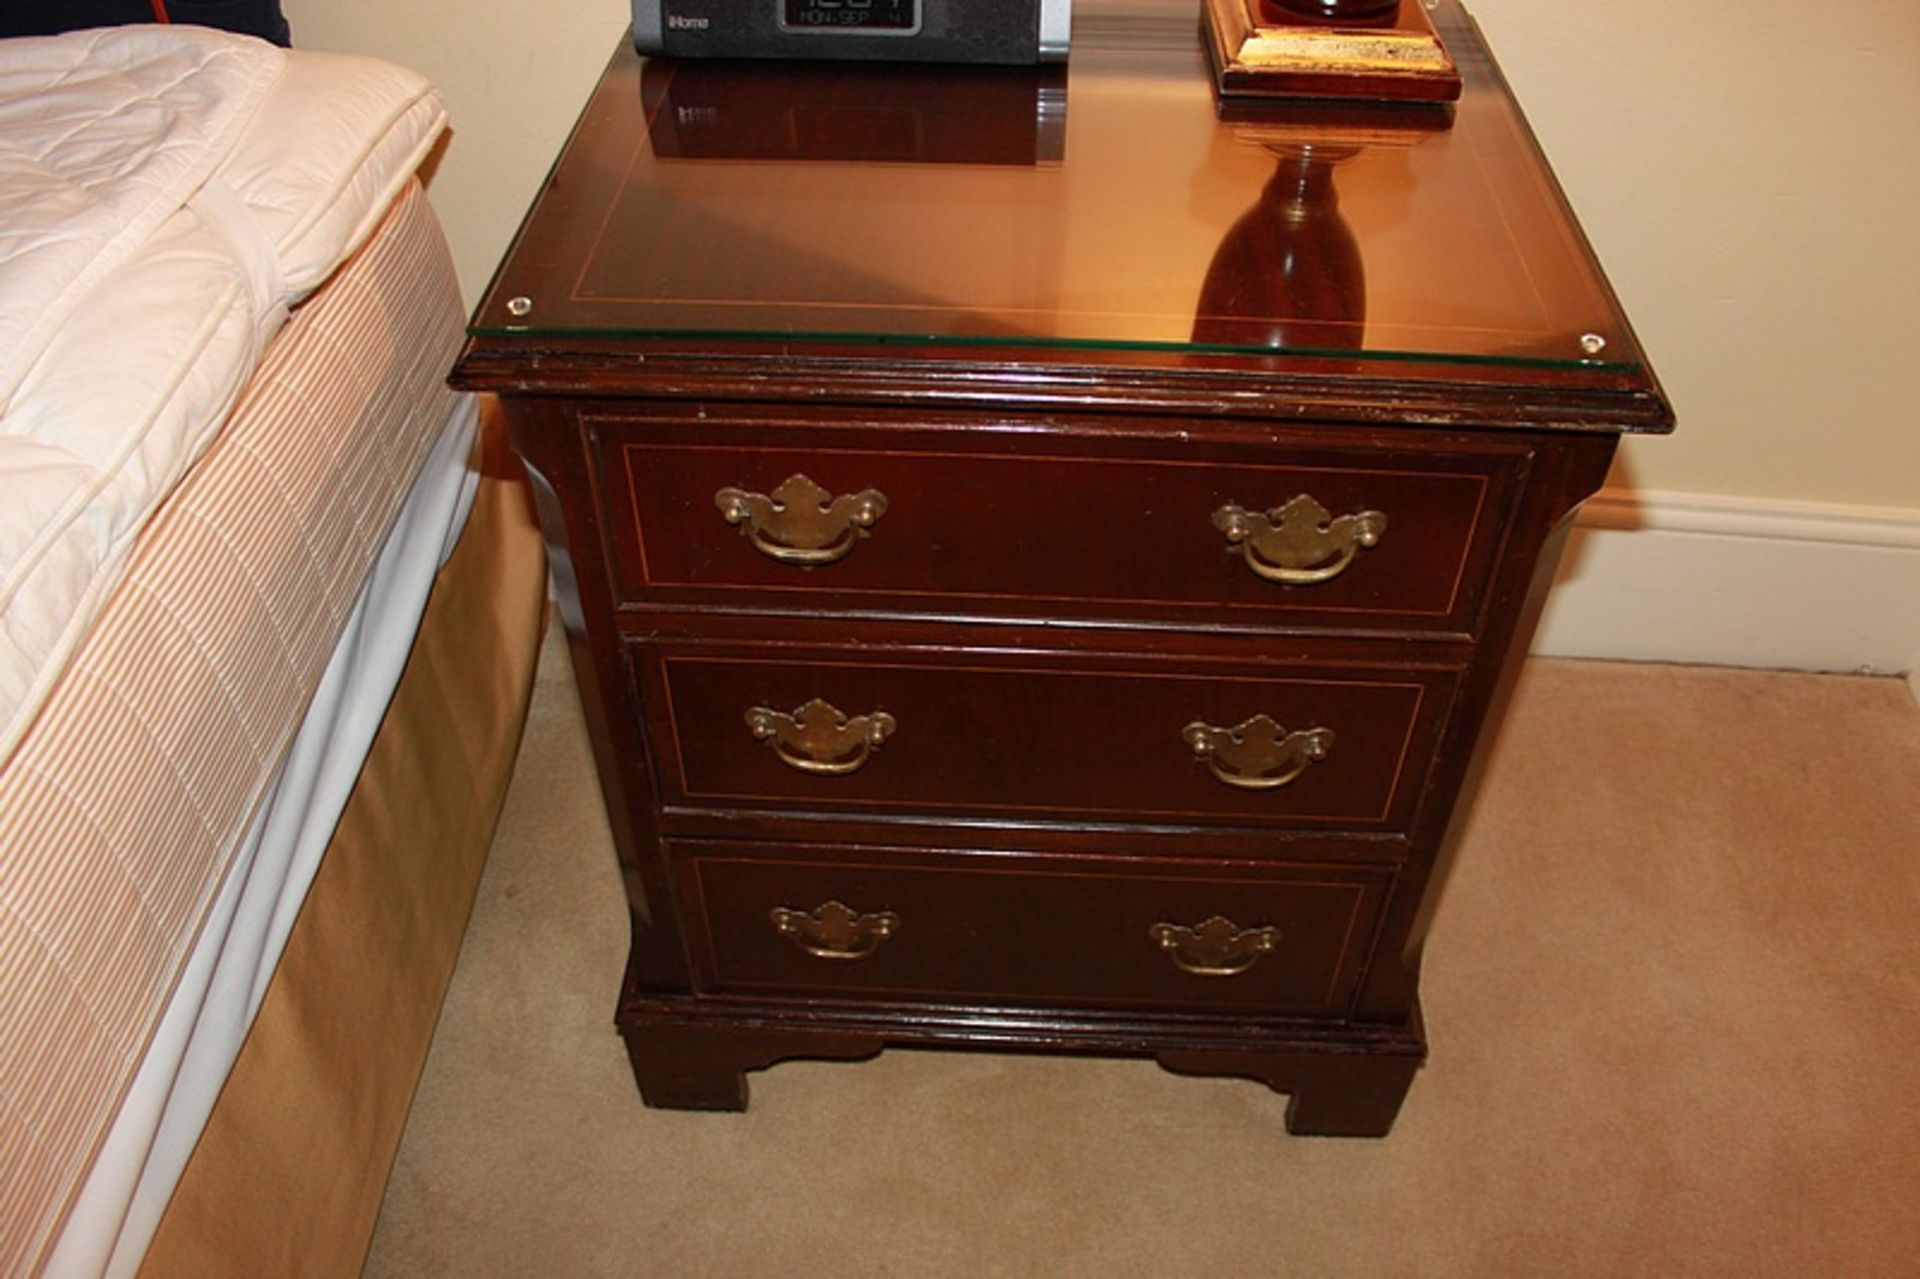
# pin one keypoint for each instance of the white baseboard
(1684, 577)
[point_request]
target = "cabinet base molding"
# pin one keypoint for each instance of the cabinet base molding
(1342, 1081)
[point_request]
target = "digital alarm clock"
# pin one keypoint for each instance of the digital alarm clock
(1015, 32)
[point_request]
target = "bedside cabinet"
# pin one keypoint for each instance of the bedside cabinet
(1048, 590)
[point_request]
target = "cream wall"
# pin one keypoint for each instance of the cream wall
(1750, 175)
(514, 76)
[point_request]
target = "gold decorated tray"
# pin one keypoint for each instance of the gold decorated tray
(1259, 50)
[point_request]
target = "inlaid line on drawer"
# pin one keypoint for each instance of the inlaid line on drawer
(937, 708)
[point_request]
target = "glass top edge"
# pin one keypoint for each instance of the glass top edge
(996, 342)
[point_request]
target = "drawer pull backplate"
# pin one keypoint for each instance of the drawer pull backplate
(800, 522)
(817, 738)
(1299, 543)
(1216, 947)
(835, 930)
(1259, 754)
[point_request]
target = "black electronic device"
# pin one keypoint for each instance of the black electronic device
(1008, 32)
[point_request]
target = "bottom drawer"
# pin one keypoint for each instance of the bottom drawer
(905, 924)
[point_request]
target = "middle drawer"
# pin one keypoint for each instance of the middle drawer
(1044, 736)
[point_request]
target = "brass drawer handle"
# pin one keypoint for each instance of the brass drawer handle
(817, 738)
(800, 522)
(835, 930)
(1299, 543)
(1259, 754)
(1216, 947)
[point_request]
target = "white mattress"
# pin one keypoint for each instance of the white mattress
(166, 194)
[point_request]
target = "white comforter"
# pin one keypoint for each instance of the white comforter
(166, 194)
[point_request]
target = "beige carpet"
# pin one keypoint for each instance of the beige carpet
(1673, 997)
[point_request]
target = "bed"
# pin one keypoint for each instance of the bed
(272, 598)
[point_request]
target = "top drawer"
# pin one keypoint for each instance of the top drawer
(1223, 535)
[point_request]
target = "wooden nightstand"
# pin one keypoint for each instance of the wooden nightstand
(1041, 559)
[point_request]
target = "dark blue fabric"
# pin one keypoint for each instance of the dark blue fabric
(48, 17)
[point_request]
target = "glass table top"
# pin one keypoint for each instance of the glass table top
(1112, 204)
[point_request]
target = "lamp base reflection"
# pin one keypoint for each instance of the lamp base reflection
(1289, 275)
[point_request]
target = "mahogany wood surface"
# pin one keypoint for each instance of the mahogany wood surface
(1041, 609)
